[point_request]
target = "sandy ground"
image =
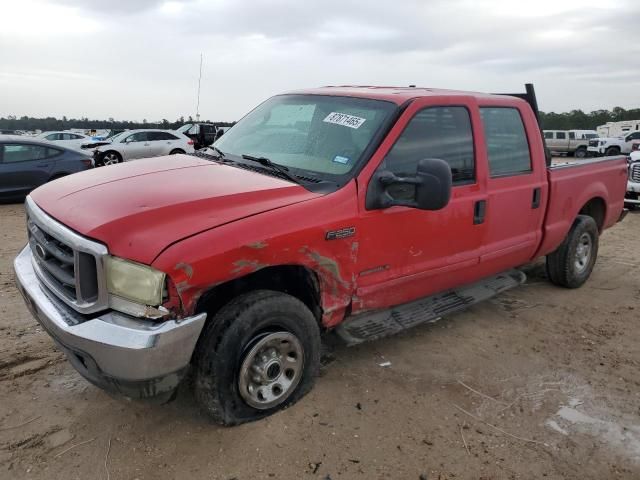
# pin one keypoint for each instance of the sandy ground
(540, 382)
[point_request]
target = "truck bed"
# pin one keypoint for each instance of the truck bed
(596, 185)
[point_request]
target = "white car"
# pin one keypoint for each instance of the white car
(135, 144)
(71, 140)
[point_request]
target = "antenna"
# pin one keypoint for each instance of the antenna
(199, 80)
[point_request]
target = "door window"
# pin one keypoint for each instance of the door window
(435, 132)
(507, 145)
(560, 135)
(572, 136)
(136, 137)
(13, 153)
(160, 136)
(53, 136)
(548, 135)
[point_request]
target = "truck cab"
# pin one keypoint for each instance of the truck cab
(359, 210)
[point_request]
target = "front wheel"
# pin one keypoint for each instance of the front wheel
(581, 153)
(571, 264)
(612, 151)
(259, 354)
(111, 158)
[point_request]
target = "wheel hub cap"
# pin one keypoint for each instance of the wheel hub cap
(271, 370)
(583, 253)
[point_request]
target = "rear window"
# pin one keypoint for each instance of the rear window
(507, 145)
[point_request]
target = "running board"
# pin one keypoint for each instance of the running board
(374, 325)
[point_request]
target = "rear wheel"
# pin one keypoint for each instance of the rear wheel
(571, 264)
(176, 151)
(258, 355)
(111, 158)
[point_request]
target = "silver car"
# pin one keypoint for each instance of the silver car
(135, 144)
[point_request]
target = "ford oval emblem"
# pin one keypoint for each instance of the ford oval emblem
(40, 251)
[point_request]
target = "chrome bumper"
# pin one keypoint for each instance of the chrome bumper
(135, 357)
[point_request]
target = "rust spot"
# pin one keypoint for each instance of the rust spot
(250, 265)
(258, 245)
(186, 268)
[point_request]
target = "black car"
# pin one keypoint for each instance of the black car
(28, 163)
(202, 134)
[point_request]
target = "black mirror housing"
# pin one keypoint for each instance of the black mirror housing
(434, 190)
(432, 187)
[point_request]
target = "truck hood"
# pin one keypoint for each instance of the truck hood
(138, 209)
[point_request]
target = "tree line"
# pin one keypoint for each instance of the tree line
(575, 119)
(25, 123)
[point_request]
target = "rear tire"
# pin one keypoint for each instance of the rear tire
(258, 355)
(176, 151)
(571, 264)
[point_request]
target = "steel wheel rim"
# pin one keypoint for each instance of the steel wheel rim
(110, 159)
(583, 252)
(271, 370)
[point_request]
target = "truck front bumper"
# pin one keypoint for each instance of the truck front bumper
(632, 197)
(121, 354)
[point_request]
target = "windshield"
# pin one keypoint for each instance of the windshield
(320, 134)
(117, 137)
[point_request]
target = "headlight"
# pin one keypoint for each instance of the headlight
(134, 281)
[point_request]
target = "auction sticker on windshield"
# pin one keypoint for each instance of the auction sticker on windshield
(345, 120)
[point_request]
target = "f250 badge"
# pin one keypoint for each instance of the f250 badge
(342, 233)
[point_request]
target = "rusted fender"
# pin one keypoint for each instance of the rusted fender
(286, 236)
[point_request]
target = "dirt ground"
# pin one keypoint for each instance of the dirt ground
(540, 382)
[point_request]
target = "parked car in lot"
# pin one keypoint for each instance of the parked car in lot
(632, 197)
(613, 145)
(367, 210)
(67, 139)
(135, 144)
(572, 142)
(27, 163)
(202, 134)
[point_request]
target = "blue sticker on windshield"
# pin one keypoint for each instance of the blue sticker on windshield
(340, 159)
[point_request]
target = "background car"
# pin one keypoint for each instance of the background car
(202, 134)
(135, 144)
(27, 163)
(68, 139)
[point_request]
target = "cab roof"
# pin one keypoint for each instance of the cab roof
(397, 95)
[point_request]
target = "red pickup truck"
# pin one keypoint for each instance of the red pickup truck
(365, 210)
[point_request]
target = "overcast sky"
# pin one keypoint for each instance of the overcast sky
(135, 59)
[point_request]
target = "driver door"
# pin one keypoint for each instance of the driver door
(135, 146)
(406, 253)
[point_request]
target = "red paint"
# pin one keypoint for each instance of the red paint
(205, 224)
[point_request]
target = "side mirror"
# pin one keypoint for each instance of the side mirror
(432, 184)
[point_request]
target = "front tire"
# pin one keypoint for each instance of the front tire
(258, 355)
(571, 264)
(111, 158)
(612, 151)
(581, 153)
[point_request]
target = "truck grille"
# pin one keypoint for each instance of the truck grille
(67, 263)
(634, 172)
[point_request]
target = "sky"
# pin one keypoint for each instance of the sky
(139, 59)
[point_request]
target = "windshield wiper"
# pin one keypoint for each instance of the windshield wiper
(281, 169)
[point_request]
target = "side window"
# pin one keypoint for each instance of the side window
(53, 136)
(160, 136)
(23, 153)
(572, 135)
(548, 135)
(136, 137)
(507, 145)
(561, 135)
(435, 132)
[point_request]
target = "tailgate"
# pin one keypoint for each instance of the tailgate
(599, 183)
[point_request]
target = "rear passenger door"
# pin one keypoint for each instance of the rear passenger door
(161, 143)
(516, 187)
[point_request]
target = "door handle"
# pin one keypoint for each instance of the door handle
(479, 210)
(535, 203)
